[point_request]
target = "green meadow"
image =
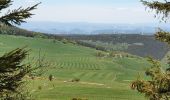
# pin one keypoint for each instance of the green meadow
(101, 78)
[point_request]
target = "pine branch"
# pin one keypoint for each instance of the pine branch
(5, 4)
(159, 7)
(12, 71)
(163, 36)
(17, 16)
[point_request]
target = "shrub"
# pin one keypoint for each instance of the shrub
(64, 41)
(50, 77)
(100, 54)
(112, 54)
(78, 99)
(39, 87)
(75, 80)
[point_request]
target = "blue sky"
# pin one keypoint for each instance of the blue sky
(93, 11)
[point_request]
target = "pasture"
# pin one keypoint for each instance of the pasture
(101, 78)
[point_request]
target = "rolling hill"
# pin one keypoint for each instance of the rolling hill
(101, 78)
(137, 44)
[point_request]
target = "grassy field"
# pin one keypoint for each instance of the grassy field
(100, 78)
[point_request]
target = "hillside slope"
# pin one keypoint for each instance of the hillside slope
(141, 45)
(100, 78)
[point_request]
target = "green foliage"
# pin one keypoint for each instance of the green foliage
(136, 44)
(105, 46)
(37, 35)
(119, 54)
(73, 42)
(16, 16)
(163, 36)
(5, 4)
(12, 72)
(12, 30)
(158, 87)
(164, 9)
(75, 80)
(50, 77)
(100, 54)
(159, 7)
(78, 99)
(65, 41)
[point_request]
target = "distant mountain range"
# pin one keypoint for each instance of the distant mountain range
(92, 28)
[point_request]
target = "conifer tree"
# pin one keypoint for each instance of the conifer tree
(16, 16)
(158, 87)
(12, 71)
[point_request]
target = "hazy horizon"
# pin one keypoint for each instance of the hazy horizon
(91, 28)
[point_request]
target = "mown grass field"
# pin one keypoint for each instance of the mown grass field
(100, 78)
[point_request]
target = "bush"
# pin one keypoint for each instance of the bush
(75, 80)
(39, 87)
(64, 41)
(100, 54)
(78, 99)
(50, 77)
(112, 54)
(54, 40)
(73, 42)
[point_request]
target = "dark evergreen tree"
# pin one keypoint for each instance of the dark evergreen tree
(12, 71)
(16, 16)
(158, 87)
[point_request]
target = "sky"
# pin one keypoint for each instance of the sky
(92, 11)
